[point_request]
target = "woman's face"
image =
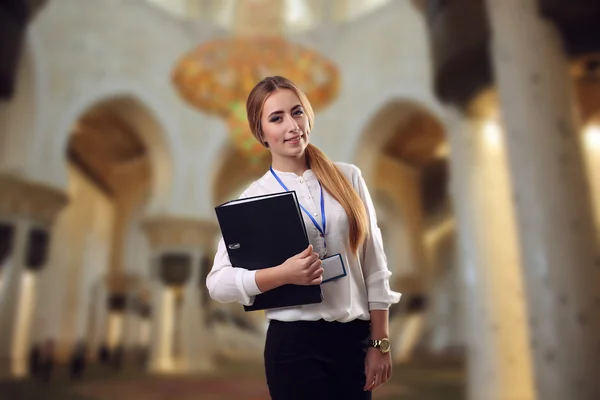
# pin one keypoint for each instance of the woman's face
(284, 124)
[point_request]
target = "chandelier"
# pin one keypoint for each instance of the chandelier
(216, 77)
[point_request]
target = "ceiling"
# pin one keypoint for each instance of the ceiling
(297, 15)
(101, 142)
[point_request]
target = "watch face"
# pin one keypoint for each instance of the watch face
(385, 345)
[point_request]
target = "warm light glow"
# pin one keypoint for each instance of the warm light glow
(164, 361)
(144, 332)
(115, 329)
(296, 15)
(439, 231)
(591, 140)
(442, 150)
(22, 327)
(492, 133)
(217, 76)
(411, 332)
(592, 137)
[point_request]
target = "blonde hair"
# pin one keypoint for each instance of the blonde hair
(328, 174)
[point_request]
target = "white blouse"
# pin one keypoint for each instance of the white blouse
(366, 286)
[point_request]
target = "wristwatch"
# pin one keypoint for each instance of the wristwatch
(383, 345)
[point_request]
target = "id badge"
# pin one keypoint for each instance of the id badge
(333, 268)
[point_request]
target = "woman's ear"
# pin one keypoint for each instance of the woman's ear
(263, 140)
(262, 137)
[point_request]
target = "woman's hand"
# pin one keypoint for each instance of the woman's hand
(378, 368)
(303, 269)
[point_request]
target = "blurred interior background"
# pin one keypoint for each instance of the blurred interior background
(476, 124)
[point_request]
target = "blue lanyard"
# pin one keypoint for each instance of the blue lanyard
(323, 219)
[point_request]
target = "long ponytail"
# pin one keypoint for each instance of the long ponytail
(338, 186)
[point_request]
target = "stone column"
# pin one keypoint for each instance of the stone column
(179, 246)
(145, 313)
(160, 357)
(445, 312)
(499, 365)
(27, 211)
(552, 200)
(97, 319)
(195, 339)
(115, 327)
(131, 325)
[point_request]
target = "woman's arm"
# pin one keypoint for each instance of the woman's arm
(269, 278)
(227, 284)
(378, 365)
(373, 259)
(380, 324)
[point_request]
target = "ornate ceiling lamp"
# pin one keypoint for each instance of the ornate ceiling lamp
(217, 76)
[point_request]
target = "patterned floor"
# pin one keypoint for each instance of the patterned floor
(418, 381)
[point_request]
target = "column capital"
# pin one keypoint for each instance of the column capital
(419, 4)
(34, 200)
(123, 282)
(177, 232)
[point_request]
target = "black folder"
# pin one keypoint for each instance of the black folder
(262, 232)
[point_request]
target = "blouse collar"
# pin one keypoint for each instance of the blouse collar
(308, 174)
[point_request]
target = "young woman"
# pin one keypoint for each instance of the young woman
(337, 349)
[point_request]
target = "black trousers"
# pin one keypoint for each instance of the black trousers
(317, 360)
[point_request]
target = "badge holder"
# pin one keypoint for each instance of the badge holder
(333, 268)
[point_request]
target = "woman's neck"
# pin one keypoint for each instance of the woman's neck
(290, 164)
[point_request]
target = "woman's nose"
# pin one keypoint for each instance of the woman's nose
(292, 125)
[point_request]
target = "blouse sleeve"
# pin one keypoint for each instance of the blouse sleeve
(373, 259)
(228, 284)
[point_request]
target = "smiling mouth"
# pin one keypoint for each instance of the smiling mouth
(294, 139)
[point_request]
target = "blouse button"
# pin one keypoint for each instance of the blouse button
(301, 180)
(315, 214)
(307, 197)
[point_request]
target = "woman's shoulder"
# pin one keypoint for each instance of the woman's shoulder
(351, 171)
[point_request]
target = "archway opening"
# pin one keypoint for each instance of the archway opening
(404, 154)
(113, 167)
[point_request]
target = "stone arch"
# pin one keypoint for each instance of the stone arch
(394, 242)
(401, 151)
(443, 246)
(388, 123)
(233, 173)
(156, 128)
(445, 314)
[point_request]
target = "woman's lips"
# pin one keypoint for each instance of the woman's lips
(294, 140)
